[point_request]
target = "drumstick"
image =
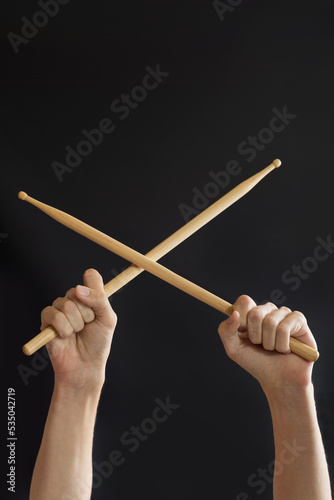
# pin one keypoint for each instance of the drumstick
(153, 267)
(163, 248)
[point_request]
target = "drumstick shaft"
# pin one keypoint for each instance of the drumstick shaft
(151, 266)
(166, 246)
(133, 256)
(191, 227)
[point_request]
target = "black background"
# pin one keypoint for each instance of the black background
(225, 79)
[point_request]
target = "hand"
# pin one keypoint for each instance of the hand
(85, 323)
(262, 346)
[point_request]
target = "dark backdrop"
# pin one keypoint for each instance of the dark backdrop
(227, 72)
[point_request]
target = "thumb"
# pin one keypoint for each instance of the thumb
(228, 332)
(93, 279)
(94, 296)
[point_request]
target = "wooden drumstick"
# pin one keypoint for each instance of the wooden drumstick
(191, 227)
(163, 248)
(152, 267)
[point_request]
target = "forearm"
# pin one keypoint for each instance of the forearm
(63, 469)
(301, 470)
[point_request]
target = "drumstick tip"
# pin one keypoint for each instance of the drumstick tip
(22, 195)
(277, 163)
(26, 350)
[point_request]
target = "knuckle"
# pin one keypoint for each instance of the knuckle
(112, 313)
(57, 301)
(46, 310)
(70, 293)
(255, 315)
(102, 301)
(282, 339)
(284, 308)
(114, 317)
(281, 330)
(272, 305)
(244, 301)
(62, 326)
(299, 316)
(269, 322)
(254, 338)
(101, 297)
(69, 307)
(98, 298)
(58, 318)
(68, 330)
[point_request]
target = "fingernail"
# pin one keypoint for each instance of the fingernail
(83, 290)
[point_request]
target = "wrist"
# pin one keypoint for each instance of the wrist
(64, 390)
(290, 396)
(294, 408)
(81, 380)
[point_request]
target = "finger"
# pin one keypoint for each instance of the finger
(228, 332)
(72, 313)
(93, 279)
(87, 313)
(93, 296)
(57, 319)
(295, 325)
(255, 319)
(243, 305)
(269, 327)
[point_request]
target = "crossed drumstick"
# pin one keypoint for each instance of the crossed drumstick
(148, 262)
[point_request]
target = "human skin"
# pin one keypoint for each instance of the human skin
(262, 349)
(85, 324)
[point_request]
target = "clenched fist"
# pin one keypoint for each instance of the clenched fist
(257, 338)
(85, 323)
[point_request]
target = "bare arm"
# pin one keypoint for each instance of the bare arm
(262, 348)
(301, 470)
(85, 324)
(63, 469)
